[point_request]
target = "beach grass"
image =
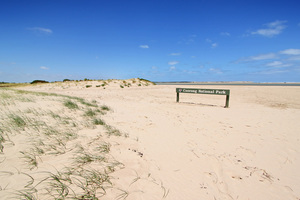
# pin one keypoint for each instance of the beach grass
(51, 134)
(71, 105)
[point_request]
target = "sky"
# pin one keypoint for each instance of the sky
(158, 40)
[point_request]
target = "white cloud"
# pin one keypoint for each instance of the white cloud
(172, 68)
(272, 71)
(278, 64)
(225, 34)
(294, 58)
(173, 63)
(44, 68)
(217, 71)
(273, 28)
(291, 52)
(259, 57)
(274, 64)
(188, 40)
(4, 63)
(175, 54)
(214, 45)
(192, 72)
(262, 57)
(144, 46)
(41, 30)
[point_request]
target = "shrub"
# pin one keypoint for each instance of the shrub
(39, 81)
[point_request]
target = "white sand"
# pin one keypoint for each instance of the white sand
(196, 149)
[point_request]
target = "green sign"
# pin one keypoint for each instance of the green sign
(204, 91)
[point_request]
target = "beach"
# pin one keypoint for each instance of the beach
(191, 149)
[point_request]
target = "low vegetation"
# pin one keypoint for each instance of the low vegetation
(49, 129)
(101, 83)
(39, 81)
(70, 104)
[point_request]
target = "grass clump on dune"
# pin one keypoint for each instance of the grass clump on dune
(98, 122)
(105, 108)
(71, 105)
(90, 113)
(2, 140)
(17, 120)
(47, 137)
(30, 159)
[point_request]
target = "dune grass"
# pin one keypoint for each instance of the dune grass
(51, 135)
(98, 121)
(71, 105)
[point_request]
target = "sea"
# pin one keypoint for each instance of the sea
(224, 83)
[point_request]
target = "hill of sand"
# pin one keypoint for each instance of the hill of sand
(149, 146)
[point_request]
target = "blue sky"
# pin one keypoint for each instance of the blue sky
(159, 40)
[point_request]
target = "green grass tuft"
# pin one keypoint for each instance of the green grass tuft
(98, 122)
(90, 113)
(71, 105)
(30, 158)
(103, 148)
(113, 131)
(105, 108)
(17, 120)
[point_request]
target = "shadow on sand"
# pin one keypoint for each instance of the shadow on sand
(201, 104)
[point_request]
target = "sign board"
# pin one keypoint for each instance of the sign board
(204, 91)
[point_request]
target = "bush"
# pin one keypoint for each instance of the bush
(39, 81)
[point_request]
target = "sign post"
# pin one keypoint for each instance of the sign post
(204, 91)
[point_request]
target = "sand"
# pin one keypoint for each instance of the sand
(194, 149)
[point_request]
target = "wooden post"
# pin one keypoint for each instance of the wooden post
(177, 99)
(227, 101)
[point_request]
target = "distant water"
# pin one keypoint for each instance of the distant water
(244, 84)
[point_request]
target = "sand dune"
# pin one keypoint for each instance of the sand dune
(194, 149)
